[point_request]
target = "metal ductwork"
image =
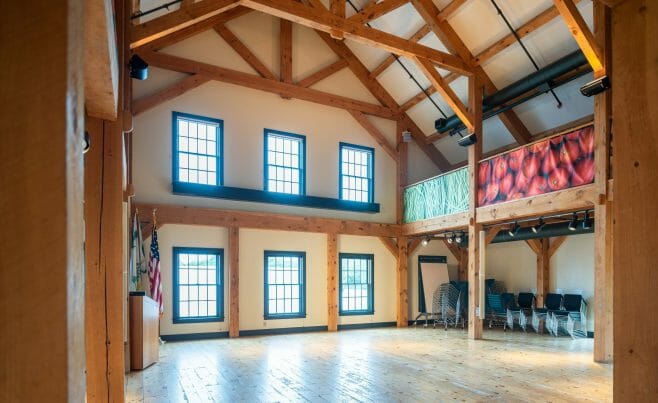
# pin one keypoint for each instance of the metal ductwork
(535, 84)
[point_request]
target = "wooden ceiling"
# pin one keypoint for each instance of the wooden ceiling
(440, 68)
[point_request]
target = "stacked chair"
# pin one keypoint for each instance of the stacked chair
(446, 305)
(519, 311)
(571, 319)
(552, 302)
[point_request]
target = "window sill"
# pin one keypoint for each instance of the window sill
(356, 313)
(198, 320)
(262, 196)
(275, 317)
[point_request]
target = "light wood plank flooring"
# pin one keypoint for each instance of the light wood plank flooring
(376, 365)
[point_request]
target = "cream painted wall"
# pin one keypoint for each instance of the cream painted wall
(253, 243)
(196, 236)
(572, 268)
(434, 248)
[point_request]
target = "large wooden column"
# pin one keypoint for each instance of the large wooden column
(234, 282)
(332, 282)
(603, 207)
(41, 211)
(543, 270)
(474, 156)
(635, 161)
(403, 254)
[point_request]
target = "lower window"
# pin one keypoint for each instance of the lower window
(285, 288)
(356, 284)
(198, 285)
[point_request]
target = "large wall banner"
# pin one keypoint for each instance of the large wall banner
(554, 164)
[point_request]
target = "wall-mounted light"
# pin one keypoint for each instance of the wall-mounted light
(406, 136)
(139, 69)
(425, 241)
(573, 223)
(595, 87)
(467, 140)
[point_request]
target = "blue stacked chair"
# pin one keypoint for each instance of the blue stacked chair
(496, 312)
(520, 311)
(571, 319)
(552, 302)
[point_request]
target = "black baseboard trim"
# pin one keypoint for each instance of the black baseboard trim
(283, 330)
(370, 325)
(194, 336)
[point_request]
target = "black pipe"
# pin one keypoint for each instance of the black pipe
(160, 7)
(541, 79)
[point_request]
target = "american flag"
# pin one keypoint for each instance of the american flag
(154, 271)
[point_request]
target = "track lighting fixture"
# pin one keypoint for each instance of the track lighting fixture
(451, 238)
(86, 142)
(595, 87)
(467, 140)
(540, 225)
(587, 222)
(459, 238)
(573, 223)
(426, 241)
(514, 230)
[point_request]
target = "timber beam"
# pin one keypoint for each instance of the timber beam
(448, 222)
(581, 33)
(171, 214)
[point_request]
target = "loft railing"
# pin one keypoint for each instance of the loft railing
(434, 197)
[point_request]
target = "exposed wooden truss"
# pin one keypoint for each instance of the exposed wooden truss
(171, 214)
(581, 33)
(151, 101)
(217, 73)
(322, 73)
(159, 27)
(376, 10)
(244, 52)
(375, 133)
(322, 20)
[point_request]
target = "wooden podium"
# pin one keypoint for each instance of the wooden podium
(144, 331)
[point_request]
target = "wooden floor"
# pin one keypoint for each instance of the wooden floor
(376, 365)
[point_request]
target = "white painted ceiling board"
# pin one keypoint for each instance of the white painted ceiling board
(398, 83)
(260, 33)
(346, 84)
(158, 80)
(309, 52)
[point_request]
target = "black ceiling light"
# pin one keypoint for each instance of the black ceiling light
(426, 241)
(86, 142)
(459, 238)
(451, 239)
(573, 223)
(587, 222)
(514, 230)
(540, 225)
(467, 140)
(139, 69)
(595, 87)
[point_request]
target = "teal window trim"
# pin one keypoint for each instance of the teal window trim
(370, 176)
(301, 283)
(219, 147)
(369, 283)
(301, 139)
(218, 283)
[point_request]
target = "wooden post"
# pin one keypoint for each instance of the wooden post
(474, 228)
(603, 209)
(401, 170)
(403, 300)
(543, 270)
(41, 212)
(462, 269)
(234, 282)
(635, 245)
(332, 282)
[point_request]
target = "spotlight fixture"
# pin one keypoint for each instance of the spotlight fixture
(573, 223)
(451, 239)
(595, 87)
(459, 238)
(587, 222)
(406, 136)
(86, 143)
(426, 241)
(139, 69)
(540, 225)
(514, 230)
(468, 140)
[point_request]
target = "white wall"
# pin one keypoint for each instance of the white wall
(572, 268)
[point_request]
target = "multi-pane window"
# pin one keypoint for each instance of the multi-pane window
(197, 149)
(284, 162)
(198, 285)
(285, 289)
(356, 284)
(356, 173)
